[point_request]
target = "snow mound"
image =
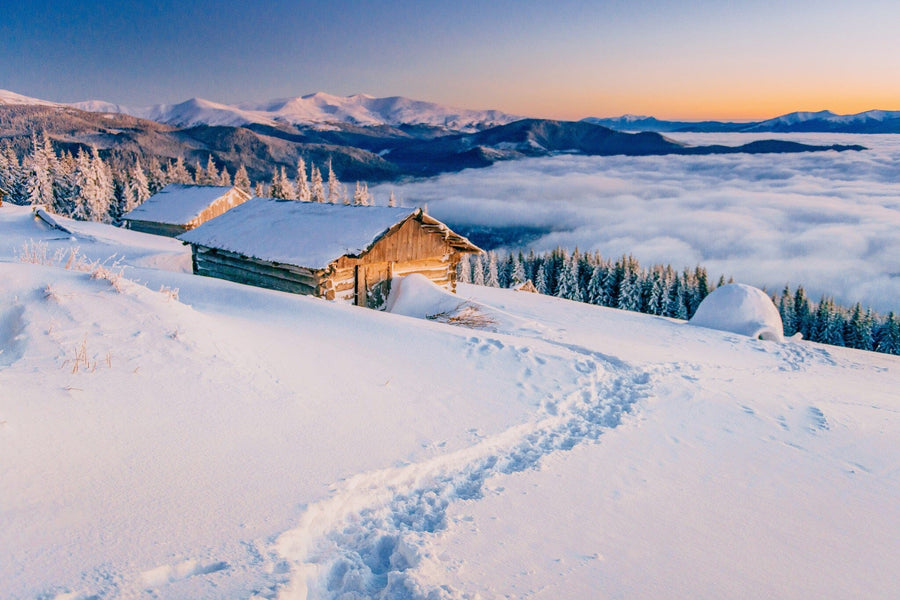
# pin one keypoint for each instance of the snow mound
(416, 296)
(740, 309)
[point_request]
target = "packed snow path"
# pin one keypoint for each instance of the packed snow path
(365, 541)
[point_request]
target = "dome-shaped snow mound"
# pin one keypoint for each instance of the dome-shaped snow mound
(742, 309)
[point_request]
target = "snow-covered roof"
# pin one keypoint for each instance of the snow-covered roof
(306, 234)
(177, 204)
(742, 309)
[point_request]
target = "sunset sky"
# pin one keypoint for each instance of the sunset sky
(566, 59)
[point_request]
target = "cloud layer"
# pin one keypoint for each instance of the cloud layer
(828, 220)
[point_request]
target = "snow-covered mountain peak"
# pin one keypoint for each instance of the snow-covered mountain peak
(8, 97)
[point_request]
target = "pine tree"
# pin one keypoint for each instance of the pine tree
(491, 276)
(464, 270)
(241, 179)
(224, 178)
(361, 194)
(138, 188)
(787, 312)
(888, 336)
(335, 188)
(41, 166)
(156, 177)
(177, 172)
(802, 313)
(318, 189)
(260, 190)
(517, 272)
(478, 270)
(303, 192)
(392, 201)
(210, 175)
(568, 280)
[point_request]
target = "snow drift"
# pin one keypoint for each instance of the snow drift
(742, 309)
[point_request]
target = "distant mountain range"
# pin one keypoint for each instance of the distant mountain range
(365, 138)
(319, 108)
(824, 121)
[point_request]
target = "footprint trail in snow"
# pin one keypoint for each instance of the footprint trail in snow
(366, 540)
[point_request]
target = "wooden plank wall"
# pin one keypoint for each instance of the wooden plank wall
(241, 269)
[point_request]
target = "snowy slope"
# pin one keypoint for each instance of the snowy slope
(236, 442)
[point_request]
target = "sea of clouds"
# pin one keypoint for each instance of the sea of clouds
(828, 220)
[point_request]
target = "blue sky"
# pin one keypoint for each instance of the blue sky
(566, 59)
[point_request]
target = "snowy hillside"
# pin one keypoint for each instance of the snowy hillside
(222, 441)
(359, 109)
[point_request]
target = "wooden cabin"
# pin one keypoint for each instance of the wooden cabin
(338, 252)
(178, 208)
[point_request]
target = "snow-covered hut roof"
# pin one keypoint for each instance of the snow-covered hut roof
(306, 234)
(742, 309)
(177, 204)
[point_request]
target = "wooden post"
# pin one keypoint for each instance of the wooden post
(360, 285)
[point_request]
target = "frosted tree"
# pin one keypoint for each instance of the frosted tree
(464, 270)
(335, 188)
(542, 279)
(318, 188)
(361, 195)
(224, 178)
(138, 188)
(567, 286)
(209, 175)
(241, 179)
(304, 194)
(98, 192)
(517, 272)
(260, 190)
(787, 312)
(491, 276)
(156, 177)
(478, 270)
(282, 186)
(11, 179)
(41, 168)
(392, 200)
(177, 172)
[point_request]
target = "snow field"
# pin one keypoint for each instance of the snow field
(235, 442)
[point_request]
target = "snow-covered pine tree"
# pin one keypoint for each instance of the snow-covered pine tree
(224, 177)
(517, 273)
(787, 312)
(138, 188)
(567, 286)
(392, 200)
(177, 172)
(541, 279)
(40, 169)
(65, 189)
(464, 270)
(491, 276)
(335, 188)
(318, 188)
(260, 190)
(210, 173)
(241, 179)
(478, 270)
(156, 177)
(361, 195)
(802, 312)
(303, 192)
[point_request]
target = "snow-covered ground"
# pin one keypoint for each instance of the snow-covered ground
(230, 442)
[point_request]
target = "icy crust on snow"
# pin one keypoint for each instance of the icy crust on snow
(306, 234)
(742, 309)
(177, 204)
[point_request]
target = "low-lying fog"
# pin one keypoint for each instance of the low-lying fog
(828, 220)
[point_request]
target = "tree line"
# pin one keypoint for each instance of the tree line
(87, 187)
(664, 291)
